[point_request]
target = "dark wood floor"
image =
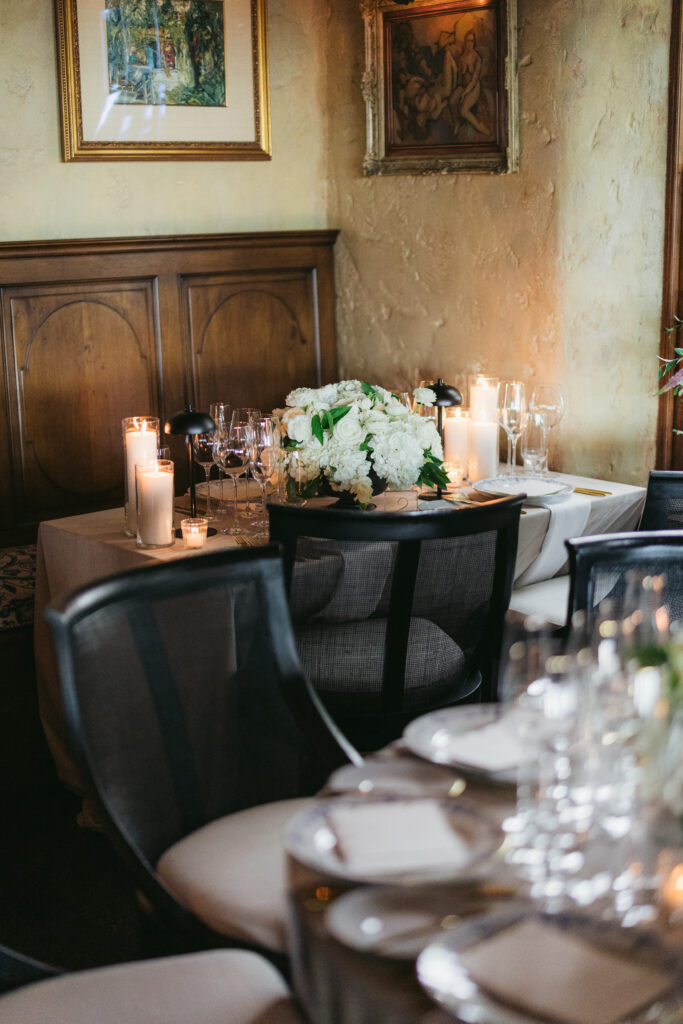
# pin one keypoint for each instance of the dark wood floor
(64, 897)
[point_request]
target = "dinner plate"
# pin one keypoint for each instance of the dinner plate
(436, 737)
(442, 973)
(538, 489)
(398, 922)
(310, 838)
(397, 777)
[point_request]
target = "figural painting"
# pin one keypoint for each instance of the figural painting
(440, 72)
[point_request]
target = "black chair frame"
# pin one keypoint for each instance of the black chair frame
(409, 529)
(17, 970)
(192, 574)
(664, 486)
(634, 549)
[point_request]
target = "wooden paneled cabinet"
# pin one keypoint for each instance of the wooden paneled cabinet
(93, 331)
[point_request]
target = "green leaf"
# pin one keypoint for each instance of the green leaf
(339, 413)
(433, 474)
(317, 428)
(307, 490)
(329, 422)
(289, 443)
(365, 446)
(368, 389)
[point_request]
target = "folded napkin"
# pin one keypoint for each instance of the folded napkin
(542, 970)
(568, 518)
(494, 747)
(396, 836)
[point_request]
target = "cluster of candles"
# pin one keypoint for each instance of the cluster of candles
(470, 436)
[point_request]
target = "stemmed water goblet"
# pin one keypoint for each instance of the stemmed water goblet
(512, 416)
(264, 442)
(546, 405)
(220, 413)
(231, 450)
(244, 416)
(202, 452)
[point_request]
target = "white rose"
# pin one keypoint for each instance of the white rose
(424, 396)
(348, 431)
(302, 397)
(299, 428)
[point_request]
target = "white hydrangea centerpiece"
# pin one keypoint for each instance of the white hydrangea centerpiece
(353, 437)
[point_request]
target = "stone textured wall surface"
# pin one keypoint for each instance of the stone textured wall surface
(552, 274)
(42, 198)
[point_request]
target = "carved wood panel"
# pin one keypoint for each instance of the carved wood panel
(81, 360)
(252, 337)
(97, 329)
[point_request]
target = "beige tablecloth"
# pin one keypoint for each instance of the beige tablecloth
(77, 550)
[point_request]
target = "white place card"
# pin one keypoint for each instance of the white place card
(493, 748)
(553, 974)
(396, 836)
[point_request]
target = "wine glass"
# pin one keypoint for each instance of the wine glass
(263, 456)
(220, 413)
(232, 451)
(511, 416)
(202, 451)
(547, 401)
(245, 414)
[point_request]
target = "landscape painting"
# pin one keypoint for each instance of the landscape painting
(166, 52)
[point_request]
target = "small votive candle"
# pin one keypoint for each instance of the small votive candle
(671, 885)
(456, 473)
(194, 532)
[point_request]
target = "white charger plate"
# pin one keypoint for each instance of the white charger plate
(435, 736)
(398, 922)
(310, 838)
(442, 974)
(538, 489)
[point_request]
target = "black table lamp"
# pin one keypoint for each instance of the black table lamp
(447, 396)
(190, 423)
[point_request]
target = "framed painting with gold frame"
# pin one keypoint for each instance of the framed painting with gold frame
(440, 86)
(163, 79)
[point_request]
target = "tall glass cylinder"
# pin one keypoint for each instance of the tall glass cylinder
(140, 443)
(456, 436)
(154, 491)
(483, 398)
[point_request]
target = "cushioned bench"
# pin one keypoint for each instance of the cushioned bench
(17, 586)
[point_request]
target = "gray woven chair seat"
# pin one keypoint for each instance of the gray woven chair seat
(345, 661)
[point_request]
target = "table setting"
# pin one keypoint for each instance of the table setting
(565, 902)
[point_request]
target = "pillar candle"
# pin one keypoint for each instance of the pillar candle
(483, 461)
(140, 445)
(483, 399)
(456, 436)
(154, 505)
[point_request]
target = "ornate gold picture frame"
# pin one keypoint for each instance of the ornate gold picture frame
(440, 86)
(163, 79)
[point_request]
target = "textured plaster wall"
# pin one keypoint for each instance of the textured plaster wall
(41, 197)
(550, 274)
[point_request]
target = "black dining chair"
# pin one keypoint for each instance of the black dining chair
(663, 509)
(205, 988)
(600, 568)
(396, 614)
(198, 735)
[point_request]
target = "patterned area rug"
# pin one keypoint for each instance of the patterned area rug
(17, 585)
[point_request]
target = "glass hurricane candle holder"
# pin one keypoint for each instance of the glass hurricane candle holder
(483, 398)
(140, 443)
(154, 491)
(456, 436)
(194, 532)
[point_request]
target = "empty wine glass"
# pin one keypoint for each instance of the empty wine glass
(535, 445)
(511, 416)
(263, 457)
(547, 401)
(220, 413)
(232, 450)
(202, 452)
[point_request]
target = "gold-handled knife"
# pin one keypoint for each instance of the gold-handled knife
(591, 492)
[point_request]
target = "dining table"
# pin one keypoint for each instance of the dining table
(356, 942)
(77, 550)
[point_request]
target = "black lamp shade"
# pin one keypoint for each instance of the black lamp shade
(187, 421)
(446, 394)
